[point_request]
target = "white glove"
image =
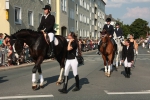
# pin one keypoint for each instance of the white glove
(136, 52)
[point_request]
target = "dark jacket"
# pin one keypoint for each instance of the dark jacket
(47, 24)
(110, 30)
(128, 53)
(119, 32)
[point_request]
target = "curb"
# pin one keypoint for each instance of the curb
(29, 64)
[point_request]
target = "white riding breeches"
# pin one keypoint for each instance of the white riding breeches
(71, 63)
(51, 36)
(127, 64)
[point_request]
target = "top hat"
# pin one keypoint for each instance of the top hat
(117, 24)
(47, 7)
(108, 20)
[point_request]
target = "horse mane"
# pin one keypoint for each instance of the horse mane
(29, 31)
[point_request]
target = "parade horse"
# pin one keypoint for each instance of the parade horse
(107, 50)
(38, 48)
(120, 42)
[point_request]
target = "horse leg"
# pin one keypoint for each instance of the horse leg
(60, 79)
(37, 65)
(61, 61)
(104, 58)
(117, 58)
(40, 77)
(110, 62)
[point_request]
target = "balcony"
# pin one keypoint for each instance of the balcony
(95, 16)
(95, 5)
(95, 27)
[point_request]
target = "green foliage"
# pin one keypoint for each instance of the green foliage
(139, 28)
(56, 27)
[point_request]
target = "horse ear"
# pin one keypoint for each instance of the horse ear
(101, 32)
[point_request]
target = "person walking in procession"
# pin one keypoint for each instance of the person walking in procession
(127, 57)
(47, 27)
(72, 62)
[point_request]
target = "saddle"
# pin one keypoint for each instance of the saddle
(56, 42)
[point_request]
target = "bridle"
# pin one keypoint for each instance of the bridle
(104, 43)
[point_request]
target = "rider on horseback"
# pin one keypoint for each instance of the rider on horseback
(47, 27)
(118, 30)
(110, 29)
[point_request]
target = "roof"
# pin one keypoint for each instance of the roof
(109, 16)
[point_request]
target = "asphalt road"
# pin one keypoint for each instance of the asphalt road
(93, 83)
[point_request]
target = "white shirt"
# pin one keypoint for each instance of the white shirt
(46, 16)
(108, 26)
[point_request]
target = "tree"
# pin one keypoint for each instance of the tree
(126, 30)
(139, 28)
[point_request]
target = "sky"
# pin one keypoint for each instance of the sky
(128, 10)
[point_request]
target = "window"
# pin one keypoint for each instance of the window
(49, 1)
(77, 25)
(88, 7)
(85, 5)
(88, 21)
(30, 18)
(80, 32)
(92, 10)
(81, 2)
(90, 28)
(17, 15)
(40, 17)
(71, 13)
(76, 9)
(88, 35)
(64, 5)
(90, 15)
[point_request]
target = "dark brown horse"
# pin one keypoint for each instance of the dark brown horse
(38, 48)
(107, 50)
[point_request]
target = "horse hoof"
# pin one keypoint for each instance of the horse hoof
(34, 87)
(41, 86)
(58, 83)
(106, 73)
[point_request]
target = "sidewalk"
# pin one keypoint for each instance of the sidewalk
(3, 68)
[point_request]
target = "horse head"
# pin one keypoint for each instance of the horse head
(19, 46)
(104, 37)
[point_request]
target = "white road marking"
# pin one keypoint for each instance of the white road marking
(143, 54)
(29, 96)
(91, 55)
(117, 93)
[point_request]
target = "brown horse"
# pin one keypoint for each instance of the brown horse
(107, 50)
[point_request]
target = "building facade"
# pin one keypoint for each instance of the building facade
(84, 17)
(4, 23)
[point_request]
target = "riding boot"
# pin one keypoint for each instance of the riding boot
(49, 51)
(52, 49)
(99, 48)
(126, 72)
(98, 52)
(77, 88)
(64, 89)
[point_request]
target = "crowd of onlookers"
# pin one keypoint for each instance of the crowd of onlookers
(9, 57)
(145, 42)
(88, 45)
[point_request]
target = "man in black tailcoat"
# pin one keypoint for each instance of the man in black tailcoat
(47, 27)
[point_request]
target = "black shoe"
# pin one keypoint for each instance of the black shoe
(64, 89)
(77, 84)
